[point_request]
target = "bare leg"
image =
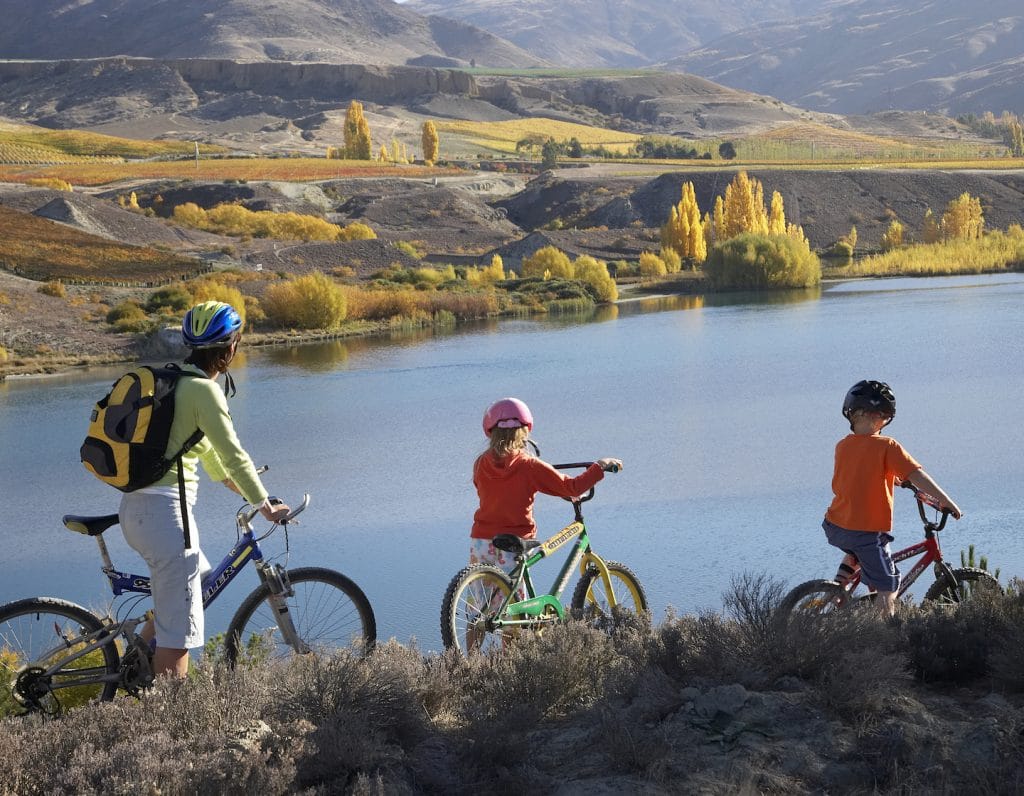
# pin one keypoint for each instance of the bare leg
(171, 662)
(887, 603)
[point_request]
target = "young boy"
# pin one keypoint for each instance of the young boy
(867, 465)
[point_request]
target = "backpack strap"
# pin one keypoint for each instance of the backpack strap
(190, 443)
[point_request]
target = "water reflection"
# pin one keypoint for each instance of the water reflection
(311, 357)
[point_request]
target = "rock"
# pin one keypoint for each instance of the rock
(164, 343)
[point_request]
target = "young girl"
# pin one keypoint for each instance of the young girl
(507, 478)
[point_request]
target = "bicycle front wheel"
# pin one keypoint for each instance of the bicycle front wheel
(35, 635)
(329, 612)
(966, 583)
(591, 598)
(470, 605)
(814, 597)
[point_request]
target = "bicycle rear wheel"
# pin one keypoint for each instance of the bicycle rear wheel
(37, 633)
(471, 602)
(814, 597)
(329, 611)
(591, 600)
(966, 583)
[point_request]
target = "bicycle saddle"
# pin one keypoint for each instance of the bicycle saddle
(90, 526)
(511, 543)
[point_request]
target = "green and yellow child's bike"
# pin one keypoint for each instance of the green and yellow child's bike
(483, 607)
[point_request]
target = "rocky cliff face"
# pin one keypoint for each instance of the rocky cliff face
(86, 93)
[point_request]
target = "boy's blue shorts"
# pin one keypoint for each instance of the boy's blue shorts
(878, 570)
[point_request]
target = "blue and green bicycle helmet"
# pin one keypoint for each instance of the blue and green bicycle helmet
(210, 324)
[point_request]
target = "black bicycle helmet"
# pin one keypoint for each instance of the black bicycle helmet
(873, 396)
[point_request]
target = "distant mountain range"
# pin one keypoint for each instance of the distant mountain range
(840, 56)
(614, 33)
(863, 56)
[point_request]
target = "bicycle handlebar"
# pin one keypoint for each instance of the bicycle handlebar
(248, 512)
(924, 499)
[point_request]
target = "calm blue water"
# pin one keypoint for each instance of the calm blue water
(725, 412)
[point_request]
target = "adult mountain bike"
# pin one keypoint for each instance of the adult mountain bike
(55, 653)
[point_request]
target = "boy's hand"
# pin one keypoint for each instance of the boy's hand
(610, 465)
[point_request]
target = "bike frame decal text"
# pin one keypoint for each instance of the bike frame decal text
(566, 534)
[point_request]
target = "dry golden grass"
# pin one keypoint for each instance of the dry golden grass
(502, 136)
(996, 251)
(285, 169)
(40, 249)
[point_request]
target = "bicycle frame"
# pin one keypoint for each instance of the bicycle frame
(246, 549)
(929, 547)
(548, 606)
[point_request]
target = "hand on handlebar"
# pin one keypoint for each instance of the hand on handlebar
(610, 465)
(951, 507)
(274, 510)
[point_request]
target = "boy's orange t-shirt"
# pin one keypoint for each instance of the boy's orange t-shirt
(507, 487)
(866, 469)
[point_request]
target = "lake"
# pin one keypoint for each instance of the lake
(724, 409)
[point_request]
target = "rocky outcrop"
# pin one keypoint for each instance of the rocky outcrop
(383, 84)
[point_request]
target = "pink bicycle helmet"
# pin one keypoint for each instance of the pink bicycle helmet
(507, 413)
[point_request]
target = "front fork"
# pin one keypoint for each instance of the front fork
(593, 560)
(275, 578)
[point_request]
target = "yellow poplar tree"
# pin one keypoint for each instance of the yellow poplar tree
(718, 220)
(495, 272)
(357, 133)
(743, 208)
(683, 232)
(777, 216)
(963, 218)
(430, 142)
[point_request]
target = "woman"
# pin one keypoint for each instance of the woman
(154, 518)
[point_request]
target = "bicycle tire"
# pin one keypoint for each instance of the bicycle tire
(330, 612)
(815, 597)
(590, 600)
(30, 627)
(945, 593)
(462, 620)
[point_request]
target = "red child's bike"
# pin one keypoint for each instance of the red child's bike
(951, 585)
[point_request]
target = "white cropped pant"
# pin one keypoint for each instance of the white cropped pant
(151, 523)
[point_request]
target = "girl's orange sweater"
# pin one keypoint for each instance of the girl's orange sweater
(507, 487)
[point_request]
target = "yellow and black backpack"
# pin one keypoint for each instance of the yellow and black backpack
(129, 428)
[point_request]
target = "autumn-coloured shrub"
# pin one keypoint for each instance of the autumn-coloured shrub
(212, 288)
(594, 274)
(175, 298)
(548, 262)
(313, 301)
(651, 265)
(53, 288)
(234, 219)
(53, 183)
(128, 317)
(761, 262)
